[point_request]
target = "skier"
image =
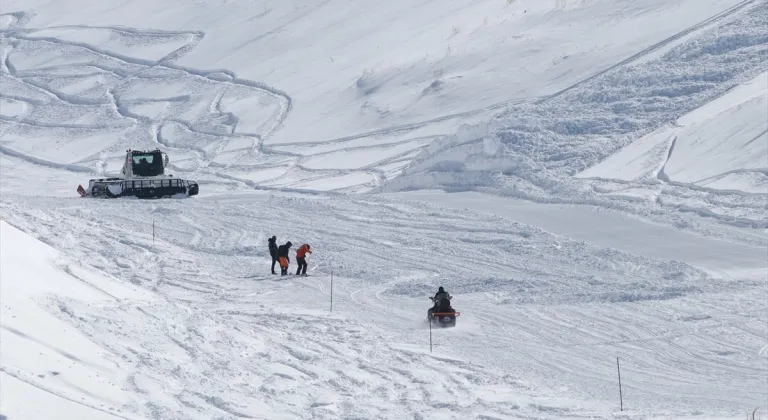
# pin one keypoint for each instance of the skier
(273, 251)
(301, 259)
(282, 254)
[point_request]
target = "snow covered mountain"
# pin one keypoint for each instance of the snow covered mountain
(587, 178)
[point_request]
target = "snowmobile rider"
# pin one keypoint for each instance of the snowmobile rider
(282, 254)
(440, 297)
(301, 255)
(273, 251)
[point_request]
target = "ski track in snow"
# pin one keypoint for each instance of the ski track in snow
(209, 144)
(665, 319)
(261, 354)
(206, 142)
(542, 315)
(119, 75)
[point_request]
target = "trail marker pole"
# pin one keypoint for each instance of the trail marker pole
(621, 398)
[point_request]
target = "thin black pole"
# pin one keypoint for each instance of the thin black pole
(621, 397)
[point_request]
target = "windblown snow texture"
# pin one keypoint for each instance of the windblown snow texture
(586, 178)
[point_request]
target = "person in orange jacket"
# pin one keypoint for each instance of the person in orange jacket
(301, 255)
(282, 255)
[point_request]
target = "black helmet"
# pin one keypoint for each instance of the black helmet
(289, 243)
(441, 289)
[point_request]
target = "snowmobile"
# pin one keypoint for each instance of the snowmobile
(143, 176)
(443, 314)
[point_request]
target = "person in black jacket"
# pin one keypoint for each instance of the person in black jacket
(282, 254)
(440, 295)
(442, 302)
(273, 251)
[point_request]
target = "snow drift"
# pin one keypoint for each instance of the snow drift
(48, 367)
(721, 145)
(306, 103)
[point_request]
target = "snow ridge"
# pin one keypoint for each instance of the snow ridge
(110, 85)
(537, 148)
(602, 202)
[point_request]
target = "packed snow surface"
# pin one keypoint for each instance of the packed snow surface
(611, 229)
(587, 178)
(49, 367)
(259, 92)
(722, 145)
(543, 316)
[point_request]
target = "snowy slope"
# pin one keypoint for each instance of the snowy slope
(246, 90)
(543, 316)
(568, 228)
(611, 229)
(534, 150)
(722, 145)
(48, 367)
(221, 345)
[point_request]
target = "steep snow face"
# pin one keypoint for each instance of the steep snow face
(246, 91)
(722, 145)
(716, 169)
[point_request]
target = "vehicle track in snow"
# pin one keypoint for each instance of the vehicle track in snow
(210, 144)
(119, 76)
(213, 145)
(261, 338)
(542, 306)
(116, 82)
(387, 257)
